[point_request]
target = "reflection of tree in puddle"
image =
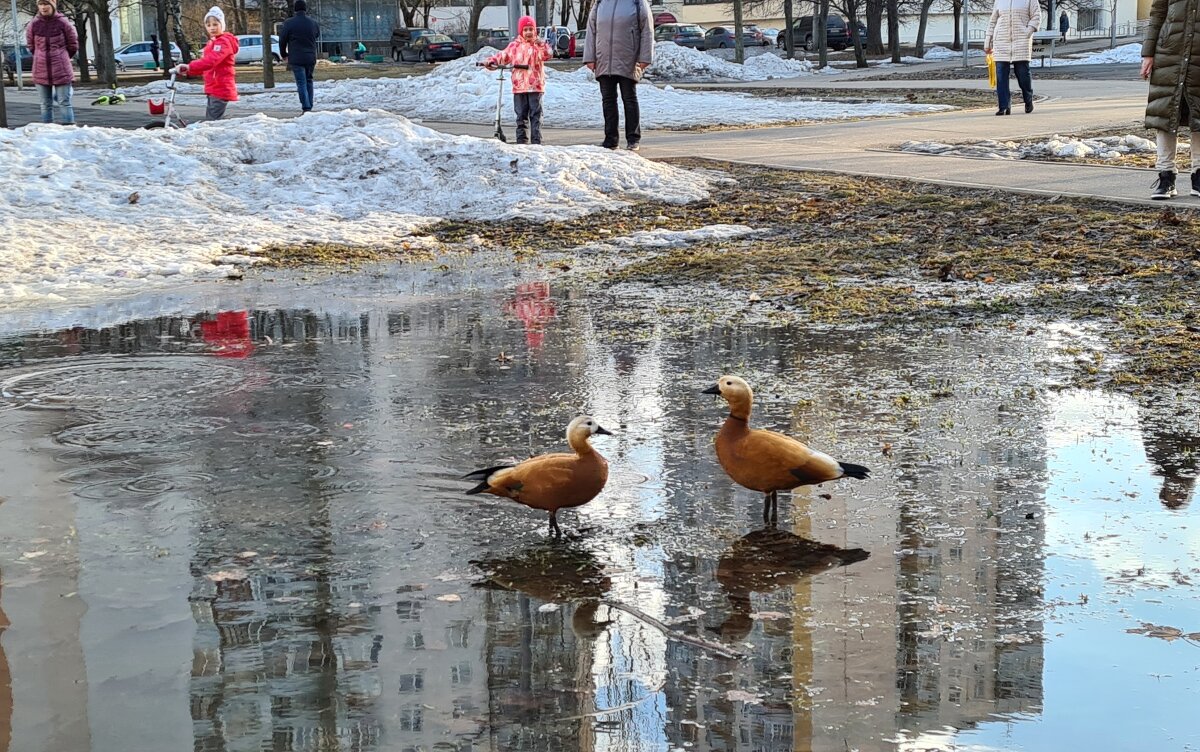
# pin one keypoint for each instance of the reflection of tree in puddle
(766, 559)
(1173, 447)
(6, 696)
(540, 662)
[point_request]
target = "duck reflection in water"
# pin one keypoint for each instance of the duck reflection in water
(554, 573)
(767, 559)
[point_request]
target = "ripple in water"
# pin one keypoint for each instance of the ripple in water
(144, 486)
(130, 436)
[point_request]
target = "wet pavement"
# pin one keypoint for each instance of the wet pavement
(244, 528)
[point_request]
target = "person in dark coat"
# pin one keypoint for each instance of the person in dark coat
(1171, 60)
(1064, 25)
(51, 39)
(298, 47)
(154, 49)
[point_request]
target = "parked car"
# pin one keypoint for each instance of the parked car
(460, 36)
(580, 38)
(137, 54)
(770, 35)
(429, 48)
(722, 36)
(758, 33)
(10, 60)
(684, 35)
(837, 34)
(403, 36)
(664, 18)
(497, 38)
(250, 49)
(559, 39)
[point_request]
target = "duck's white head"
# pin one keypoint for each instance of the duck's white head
(736, 392)
(583, 428)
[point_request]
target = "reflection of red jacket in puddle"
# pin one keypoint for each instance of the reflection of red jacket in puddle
(229, 334)
(533, 306)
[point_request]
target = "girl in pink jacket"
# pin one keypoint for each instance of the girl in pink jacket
(51, 39)
(528, 84)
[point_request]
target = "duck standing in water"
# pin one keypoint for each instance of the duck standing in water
(552, 481)
(767, 461)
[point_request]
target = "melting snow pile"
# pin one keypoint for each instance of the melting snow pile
(675, 63)
(1128, 53)
(1107, 147)
(945, 53)
(94, 210)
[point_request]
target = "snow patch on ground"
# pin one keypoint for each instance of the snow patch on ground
(675, 63)
(1107, 147)
(1128, 53)
(945, 53)
(97, 211)
(459, 91)
(663, 238)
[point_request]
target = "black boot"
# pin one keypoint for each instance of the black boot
(1196, 180)
(1028, 105)
(1004, 111)
(1164, 188)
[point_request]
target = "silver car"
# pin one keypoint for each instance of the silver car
(250, 49)
(137, 54)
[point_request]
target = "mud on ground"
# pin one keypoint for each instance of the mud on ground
(845, 251)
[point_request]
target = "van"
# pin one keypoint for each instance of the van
(837, 34)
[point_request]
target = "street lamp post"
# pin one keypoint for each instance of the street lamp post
(966, 11)
(17, 62)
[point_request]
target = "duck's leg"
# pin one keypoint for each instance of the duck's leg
(774, 506)
(554, 529)
(767, 507)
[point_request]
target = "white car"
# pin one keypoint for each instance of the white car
(137, 54)
(250, 49)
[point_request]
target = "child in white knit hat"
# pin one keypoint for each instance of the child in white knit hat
(216, 63)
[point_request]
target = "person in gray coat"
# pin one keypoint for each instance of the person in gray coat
(618, 48)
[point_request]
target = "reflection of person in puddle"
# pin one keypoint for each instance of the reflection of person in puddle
(767, 559)
(554, 574)
(228, 334)
(532, 305)
(6, 696)
(1175, 454)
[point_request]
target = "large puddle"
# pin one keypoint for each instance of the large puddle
(246, 530)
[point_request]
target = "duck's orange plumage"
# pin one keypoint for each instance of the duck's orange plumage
(764, 460)
(552, 481)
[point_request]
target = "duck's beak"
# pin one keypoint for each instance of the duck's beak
(603, 431)
(714, 389)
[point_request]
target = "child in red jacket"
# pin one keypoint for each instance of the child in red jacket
(216, 63)
(527, 83)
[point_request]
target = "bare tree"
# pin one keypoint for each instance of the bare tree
(893, 25)
(957, 9)
(923, 26)
(477, 7)
(875, 26)
(268, 61)
(819, 31)
(164, 39)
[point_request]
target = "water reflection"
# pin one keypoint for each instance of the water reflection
(1172, 442)
(6, 698)
(276, 545)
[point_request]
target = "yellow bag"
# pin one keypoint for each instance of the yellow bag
(991, 64)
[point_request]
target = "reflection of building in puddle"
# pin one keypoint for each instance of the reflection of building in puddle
(1172, 441)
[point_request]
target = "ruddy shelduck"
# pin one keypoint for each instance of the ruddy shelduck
(552, 481)
(766, 461)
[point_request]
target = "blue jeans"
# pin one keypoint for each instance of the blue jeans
(304, 85)
(57, 97)
(1023, 80)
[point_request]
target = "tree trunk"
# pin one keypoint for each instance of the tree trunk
(164, 38)
(893, 25)
(176, 14)
(3, 108)
(958, 40)
(564, 13)
(739, 49)
(860, 56)
(789, 36)
(103, 63)
(81, 31)
(923, 26)
(875, 27)
(268, 60)
(104, 44)
(477, 7)
(821, 34)
(585, 10)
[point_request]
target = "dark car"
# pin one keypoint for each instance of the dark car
(460, 36)
(403, 37)
(10, 65)
(837, 34)
(685, 35)
(723, 36)
(430, 47)
(497, 38)
(758, 33)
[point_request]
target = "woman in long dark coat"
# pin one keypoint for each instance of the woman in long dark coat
(1171, 60)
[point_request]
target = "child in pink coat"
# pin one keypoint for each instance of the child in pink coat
(528, 84)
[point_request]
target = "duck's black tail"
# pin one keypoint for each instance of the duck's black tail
(850, 470)
(482, 476)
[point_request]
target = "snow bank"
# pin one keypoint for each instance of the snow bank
(91, 211)
(679, 64)
(945, 53)
(1128, 53)
(1106, 147)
